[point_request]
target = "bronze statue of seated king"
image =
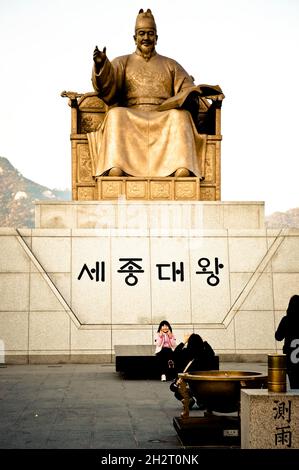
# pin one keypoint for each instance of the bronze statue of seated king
(153, 123)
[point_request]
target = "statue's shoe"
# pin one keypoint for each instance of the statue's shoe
(115, 171)
(180, 172)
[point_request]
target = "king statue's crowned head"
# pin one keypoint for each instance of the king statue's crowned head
(145, 20)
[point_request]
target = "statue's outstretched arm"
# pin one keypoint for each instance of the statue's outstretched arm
(104, 77)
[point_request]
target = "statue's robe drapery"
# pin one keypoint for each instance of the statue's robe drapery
(134, 136)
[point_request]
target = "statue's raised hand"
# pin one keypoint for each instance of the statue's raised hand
(99, 58)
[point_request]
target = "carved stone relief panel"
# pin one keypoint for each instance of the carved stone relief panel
(161, 189)
(111, 189)
(136, 189)
(89, 122)
(210, 163)
(86, 194)
(186, 190)
(207, 194)
(84, 164)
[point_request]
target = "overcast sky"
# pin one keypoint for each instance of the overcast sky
(248, 47)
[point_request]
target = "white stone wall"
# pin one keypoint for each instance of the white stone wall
(47, 314)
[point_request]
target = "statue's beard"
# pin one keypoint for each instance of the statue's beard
(147, 51)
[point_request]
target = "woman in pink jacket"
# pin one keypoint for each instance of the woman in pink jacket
(165, 345)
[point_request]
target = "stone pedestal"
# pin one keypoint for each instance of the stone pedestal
(269, 420)
(150, 215)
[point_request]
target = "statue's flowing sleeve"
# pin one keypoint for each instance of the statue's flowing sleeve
(182, 79)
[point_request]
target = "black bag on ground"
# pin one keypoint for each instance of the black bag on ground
(174, 386)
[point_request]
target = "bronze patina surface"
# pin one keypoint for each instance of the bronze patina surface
(151, 128)
(146, 120)
(277, 373)
(219, 390)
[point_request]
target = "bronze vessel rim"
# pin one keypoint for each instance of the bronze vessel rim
(223, 375)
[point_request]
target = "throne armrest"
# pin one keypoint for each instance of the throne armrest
(209, 115)
(88, 111)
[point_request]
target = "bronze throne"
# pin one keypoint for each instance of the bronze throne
(88, 111)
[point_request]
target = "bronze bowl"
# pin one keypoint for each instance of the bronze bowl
(219, 390)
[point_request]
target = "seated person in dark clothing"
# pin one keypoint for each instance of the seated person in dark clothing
(196, 350)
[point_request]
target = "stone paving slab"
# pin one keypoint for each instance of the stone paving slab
(87, 406)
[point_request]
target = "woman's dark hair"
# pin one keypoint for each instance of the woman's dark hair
(293, 313)
(293, 305)
(195, 345)
(164, 322)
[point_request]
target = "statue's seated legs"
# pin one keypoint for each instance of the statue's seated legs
(142, 143)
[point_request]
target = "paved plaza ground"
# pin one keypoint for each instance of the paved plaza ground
(86, 415)
(87, 406)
